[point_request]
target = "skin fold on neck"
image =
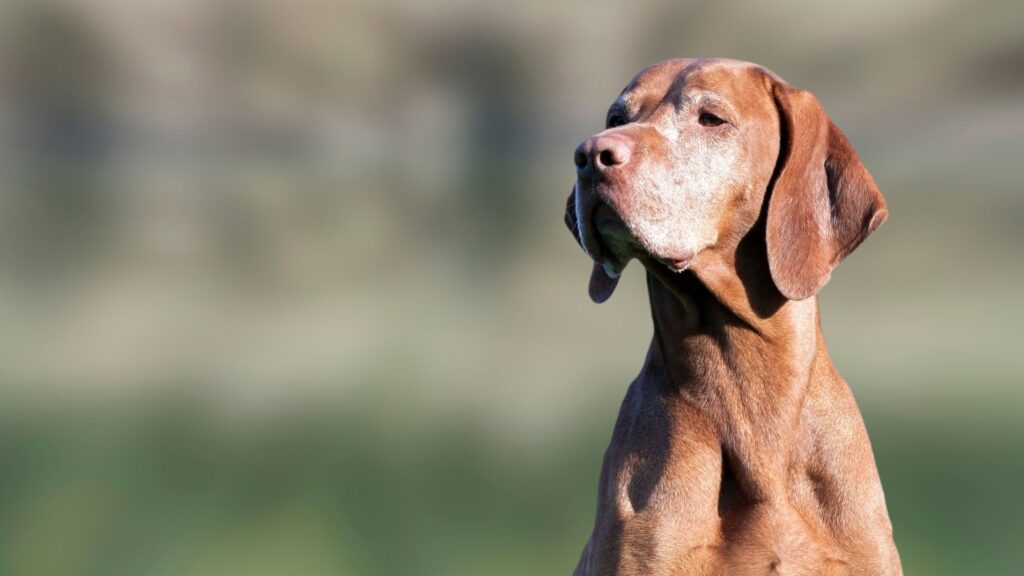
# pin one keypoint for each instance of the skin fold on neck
(725, 340)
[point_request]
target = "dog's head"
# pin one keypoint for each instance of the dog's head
(692, 150)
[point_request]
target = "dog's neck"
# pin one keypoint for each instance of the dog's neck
(707, 310)
(725, 339)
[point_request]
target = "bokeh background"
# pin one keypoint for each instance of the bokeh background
(285, 288)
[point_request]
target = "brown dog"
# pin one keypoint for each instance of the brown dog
(738, 450)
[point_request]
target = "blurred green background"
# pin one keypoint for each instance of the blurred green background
(285, 288)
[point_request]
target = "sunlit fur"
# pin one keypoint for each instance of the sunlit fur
(739, 449)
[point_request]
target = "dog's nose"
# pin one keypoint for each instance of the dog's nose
(598, 154)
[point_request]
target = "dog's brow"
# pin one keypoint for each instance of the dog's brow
(628, 92)
(625, 104)
(683, 101)
(713, 99)
(702, 98)
(678, 84)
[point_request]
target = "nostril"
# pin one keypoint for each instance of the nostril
(580, 159)
(607, 158)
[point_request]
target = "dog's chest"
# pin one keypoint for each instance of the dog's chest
(670, 504)
(659, 489)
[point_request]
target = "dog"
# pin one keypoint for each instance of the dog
(739, 449)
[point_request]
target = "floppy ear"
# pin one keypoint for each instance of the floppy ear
(823, 204)
(601, 284)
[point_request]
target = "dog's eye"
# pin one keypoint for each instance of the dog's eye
(616, 119)
(709, 119)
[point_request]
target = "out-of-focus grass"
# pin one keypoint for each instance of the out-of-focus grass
(170, 491)
(952, 486)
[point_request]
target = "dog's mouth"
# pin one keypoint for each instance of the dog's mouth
(611, 231)
(603, 234)
(608, 240)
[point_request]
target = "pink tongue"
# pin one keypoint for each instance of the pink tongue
(601, 285)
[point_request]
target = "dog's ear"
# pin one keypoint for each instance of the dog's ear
(823, 204)
(601, 284)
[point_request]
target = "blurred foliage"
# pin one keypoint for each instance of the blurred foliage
(284, 287)
(168, 490)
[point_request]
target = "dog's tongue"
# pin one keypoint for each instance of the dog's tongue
(601, 284)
